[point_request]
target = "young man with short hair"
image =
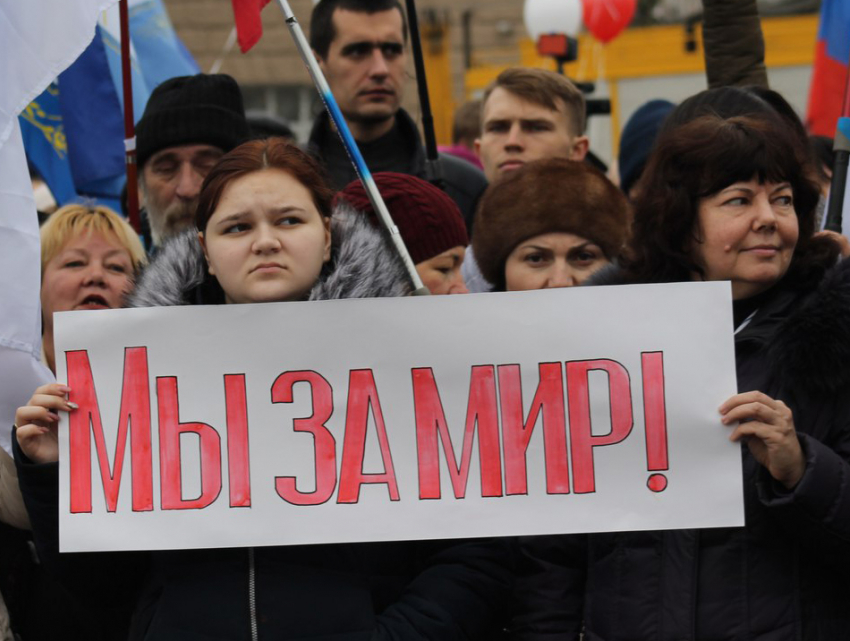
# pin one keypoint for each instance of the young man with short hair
(530, 114)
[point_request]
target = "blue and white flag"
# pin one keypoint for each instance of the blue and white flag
(90, 101)
(38, 40)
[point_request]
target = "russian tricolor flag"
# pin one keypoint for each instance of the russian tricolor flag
(829, 77)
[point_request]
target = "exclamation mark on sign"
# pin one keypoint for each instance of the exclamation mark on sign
(655, 419)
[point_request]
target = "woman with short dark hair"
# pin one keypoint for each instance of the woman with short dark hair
(731, 198)
(702, 158)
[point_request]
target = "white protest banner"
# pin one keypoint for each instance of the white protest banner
(574, 410)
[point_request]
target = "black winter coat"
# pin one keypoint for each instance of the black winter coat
(785, 576)
(463, 182)
(439, 590)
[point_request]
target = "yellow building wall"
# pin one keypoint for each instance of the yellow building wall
(652, 51)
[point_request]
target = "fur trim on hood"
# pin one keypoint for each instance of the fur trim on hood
(362, 265)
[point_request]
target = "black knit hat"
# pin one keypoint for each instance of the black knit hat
(638, 138)
(543, 196)
(427, 218)
(202, 110)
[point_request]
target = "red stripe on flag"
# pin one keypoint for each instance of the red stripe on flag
(826, 94)
(249, 27)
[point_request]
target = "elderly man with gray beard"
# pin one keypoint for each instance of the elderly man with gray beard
(188, 124)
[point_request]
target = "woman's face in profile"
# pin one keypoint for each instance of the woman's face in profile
(556, 259)
(441, 273)
(746, 234)
(266, 241)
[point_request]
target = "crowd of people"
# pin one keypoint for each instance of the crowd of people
(726, 186)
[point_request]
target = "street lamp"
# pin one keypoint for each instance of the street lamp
(542, 17)
(552, 24)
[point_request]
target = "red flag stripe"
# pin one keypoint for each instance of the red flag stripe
(249, 26)
(826, 93)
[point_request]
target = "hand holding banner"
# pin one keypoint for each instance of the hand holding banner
(580, 410)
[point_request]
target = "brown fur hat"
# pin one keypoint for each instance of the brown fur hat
(551, 195)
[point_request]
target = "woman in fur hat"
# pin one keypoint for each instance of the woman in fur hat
(731, 198)
(266, 233)
(550, 223)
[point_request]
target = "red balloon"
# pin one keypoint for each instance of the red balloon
(605, 19)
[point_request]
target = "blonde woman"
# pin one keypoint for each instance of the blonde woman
(90, 258)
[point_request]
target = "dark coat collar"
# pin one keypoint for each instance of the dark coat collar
(811, 346)
(807, 334)
(322, 131)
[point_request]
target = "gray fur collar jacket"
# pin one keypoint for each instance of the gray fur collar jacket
(363, 265)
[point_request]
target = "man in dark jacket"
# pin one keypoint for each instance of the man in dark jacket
(733, 43)
(361, 48)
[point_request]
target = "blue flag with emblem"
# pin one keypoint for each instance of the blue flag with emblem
(93, 115)
(43, 132)
(81, 117)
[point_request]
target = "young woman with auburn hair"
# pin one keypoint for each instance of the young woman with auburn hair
(266, 233)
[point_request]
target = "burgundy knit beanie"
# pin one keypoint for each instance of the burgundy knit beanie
(428, 220)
